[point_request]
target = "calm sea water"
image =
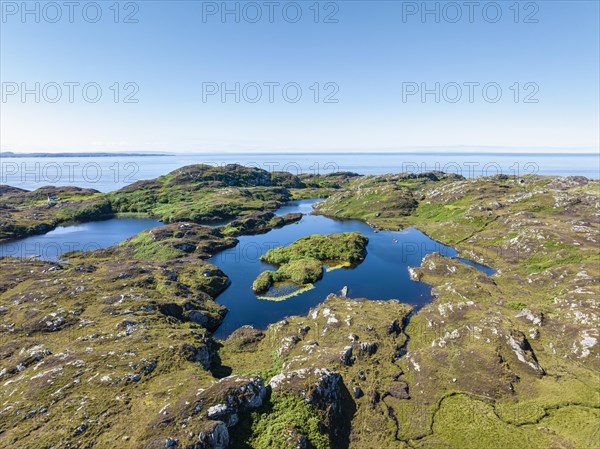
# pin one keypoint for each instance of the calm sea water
(111, 173)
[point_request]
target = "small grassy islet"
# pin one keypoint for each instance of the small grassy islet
(301, 263)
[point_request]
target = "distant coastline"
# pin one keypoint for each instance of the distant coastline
(10, 154)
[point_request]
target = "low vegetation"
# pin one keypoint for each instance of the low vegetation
(115, 346)
(302, 262)
(348, 246)
(284, 422)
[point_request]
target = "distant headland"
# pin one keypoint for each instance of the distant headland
(81, 154)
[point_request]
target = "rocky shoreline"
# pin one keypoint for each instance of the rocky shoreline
(115, 346)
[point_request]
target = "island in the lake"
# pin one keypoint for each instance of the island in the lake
(115, 347)
(302, 262)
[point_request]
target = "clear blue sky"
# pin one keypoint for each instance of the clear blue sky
(369, 53)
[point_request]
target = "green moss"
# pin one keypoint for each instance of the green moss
(263, 282)
(472, 424)
(349, 246)
(276, 425)
(146, 248)
(516, 305)
(302, 271)
(301, 263)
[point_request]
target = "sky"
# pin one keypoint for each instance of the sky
(195, 76)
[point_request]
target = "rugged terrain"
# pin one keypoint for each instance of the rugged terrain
(114, 347)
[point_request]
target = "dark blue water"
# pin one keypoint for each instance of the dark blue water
(80, 237)
(382, 275)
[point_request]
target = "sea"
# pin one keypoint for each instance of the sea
(111, 172)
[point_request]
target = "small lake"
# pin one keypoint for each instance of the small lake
(80, 237)
(382, 275)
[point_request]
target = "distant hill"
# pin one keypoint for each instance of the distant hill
(103, 154)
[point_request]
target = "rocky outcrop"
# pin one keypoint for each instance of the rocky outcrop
(194, 312)
(536, 318)
(346, 356)
(414, 274)
(245, 338)
(200, 419)
(232, 396)
(216, 437)
(325, 390)
(523, 350)
(201, 353)
(368, 348)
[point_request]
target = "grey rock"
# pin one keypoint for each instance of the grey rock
(170, 442)
(346, 356)
(82, 428)
(368, 348)
(216, 438)
(358, 393)
(218, 411)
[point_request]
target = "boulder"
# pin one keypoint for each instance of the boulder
(346, 356)
(216, 437)
(523, 350)
(368, 348)
(201, 354)
(231, 396)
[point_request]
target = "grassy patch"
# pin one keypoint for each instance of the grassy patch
(515, 305)
(349, 246)
(472, 424)
(301, 263)
(541, 262)
(303, 271)
(146, 248)
(263, 282)
(279, 424)
(579, 425)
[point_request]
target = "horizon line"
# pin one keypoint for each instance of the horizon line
(8, 153)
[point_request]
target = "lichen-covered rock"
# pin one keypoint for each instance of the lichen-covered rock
(534, 318)
(325, 390)
(231, 396)
(522, 349)
(346, 356)
(201, 353)
(215, 438)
